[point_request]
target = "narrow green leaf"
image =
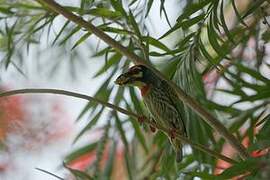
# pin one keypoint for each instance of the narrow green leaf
(171, 53)
(89, 125)
(101, 148)
(82, 39)
(240, 82)
(213, 39)
(68, 36)
(49, 20)
(224, 25)
(253, 8)
(237, 92)
(168, 159)
(134, 24)
(206, 54)
(189, 159)
(238, 14)
(188, 23)
(266, 118)
(185, 41)
(174, 28)
(138, 132)
(10, 45)
(105, 13)
(240, 168)
(121, 131)
(214, 17)
(260, 146)
(27, 6)
(162, 9)
(80, 175)
(262, 95)
(82, 6)
(156, 43)
(135, 100)
(84, 110)
(110, 162)
(253, 73)
(132, 2)
(193, 8)
(61, 31)
(116, 30)
(6, 10)
(103, 93)
(149, 5)
(238, 122)
(184, 24)
(118, 6)
(224, 108)
(128, 164)
(80, 152)
(103, 51)
(170, 67)
(34, 23)
(111, 63)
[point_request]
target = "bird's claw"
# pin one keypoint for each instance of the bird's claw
(141, 119)
(172, 133)
(153, 129)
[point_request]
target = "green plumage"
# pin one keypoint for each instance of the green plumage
(164, 108)
(161, 100)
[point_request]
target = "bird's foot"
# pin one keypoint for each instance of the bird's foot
(152, 128)
(141, 119)
(152, 125)
(172, 133)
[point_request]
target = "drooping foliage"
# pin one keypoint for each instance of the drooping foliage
(208, 44)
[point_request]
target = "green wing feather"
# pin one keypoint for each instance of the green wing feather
(176, 102)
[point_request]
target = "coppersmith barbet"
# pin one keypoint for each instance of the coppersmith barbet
(161, 101)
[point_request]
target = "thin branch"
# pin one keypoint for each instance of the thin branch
(49, 173)
(119, 109)
(188, 100)
(67, 93)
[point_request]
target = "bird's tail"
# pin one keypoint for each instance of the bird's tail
(179, 155)
(177, 146)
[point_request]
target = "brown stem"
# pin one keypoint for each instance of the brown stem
(49, 173)
(67, 93)
(116, 108)
(209, 118)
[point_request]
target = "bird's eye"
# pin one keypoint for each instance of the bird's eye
(135, 70)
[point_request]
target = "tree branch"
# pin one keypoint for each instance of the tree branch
(189, 101)
(67, 93)
(119, 109)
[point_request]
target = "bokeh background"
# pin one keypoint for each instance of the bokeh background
(38, 131)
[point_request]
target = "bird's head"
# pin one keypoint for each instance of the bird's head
(137, 75)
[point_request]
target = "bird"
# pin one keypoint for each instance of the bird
(161, 101)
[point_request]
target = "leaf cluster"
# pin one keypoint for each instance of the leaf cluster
(210, 41)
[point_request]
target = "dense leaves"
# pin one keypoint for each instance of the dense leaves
(209, 42)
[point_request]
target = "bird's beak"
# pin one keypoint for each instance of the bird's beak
(122, 79)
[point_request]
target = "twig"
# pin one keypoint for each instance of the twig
(49, 173)
(119, 109)
(188, 100)
(67, 93)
